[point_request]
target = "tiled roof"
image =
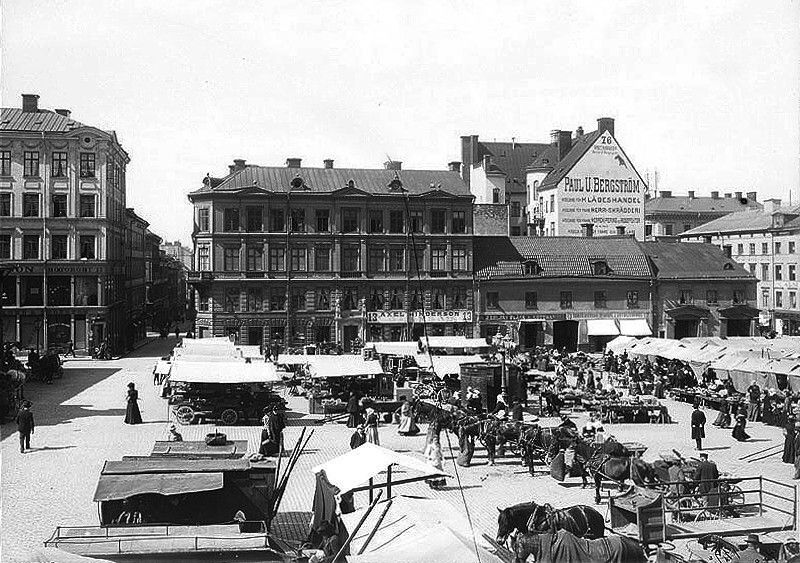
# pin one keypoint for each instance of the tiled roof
(512, 158)
(691, 260)
(563, 167)
(326, 180)
(680, 204)
(558, 256)
(548, 158)
(749, 220)
(14, 119)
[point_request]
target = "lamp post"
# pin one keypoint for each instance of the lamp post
(503, 343)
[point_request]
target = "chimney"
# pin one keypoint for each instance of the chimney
(587, 229)
(554, 136)
(665, 193)
(65, 112)
(238, 164)
(579, 132)
(728, 195)
(513, 143)
(605, 124)
(564, 143)
(469, 154)
(393, 165)
(752, 196)
(231, 168)
(620, 229)
(454, 166)
(691, 194)
(292, 162)
(487, 162)
(738, 195)
(714, 195)
(30, 103)
(327, 163)
(771, 205)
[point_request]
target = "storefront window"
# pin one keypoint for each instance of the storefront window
(59, 291)
(8, 291)
(31, 334)
(86, 291)
(59, 332)
(31, 291)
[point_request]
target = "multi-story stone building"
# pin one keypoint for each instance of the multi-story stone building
(304, 255)
(182, 254)
(136, 320)
(767, 243)
(62, 223)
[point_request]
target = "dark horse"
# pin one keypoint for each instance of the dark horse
(613, 461)
(581, 520)
(564, 546)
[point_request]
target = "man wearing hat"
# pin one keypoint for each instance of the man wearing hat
(751, 553)
(706, 474)
(698, 425)
(25, 426)
(174, 435)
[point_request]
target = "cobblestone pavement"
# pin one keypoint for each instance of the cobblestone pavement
(80, 426)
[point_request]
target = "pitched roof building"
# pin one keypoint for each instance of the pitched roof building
(669, 215)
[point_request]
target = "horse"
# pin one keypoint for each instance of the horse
(581, 520)
(563, 546)
(534, 444)
(613, 461)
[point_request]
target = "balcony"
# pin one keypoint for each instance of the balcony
(199, 277)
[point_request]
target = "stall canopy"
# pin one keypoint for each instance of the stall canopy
(602, 327)
(453, 342)
(223, 372)
(619, 344)
(446, 365)
(634, 327)
(292, 359)
(342, 366)
(162, 367)
(118, 487)
(394, 348)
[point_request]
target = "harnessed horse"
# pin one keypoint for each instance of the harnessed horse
(581, 520)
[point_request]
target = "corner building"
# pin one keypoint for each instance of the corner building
(298, 255)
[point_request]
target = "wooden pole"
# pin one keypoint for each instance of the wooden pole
(377, 525)
(370, 490)
(358, 527)
(389, 482)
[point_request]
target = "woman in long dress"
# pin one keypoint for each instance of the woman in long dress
(371, 426)
(724, 417)
(132, 413)
(788, 440)
(407, 425)
(433, 453)
(741, 422)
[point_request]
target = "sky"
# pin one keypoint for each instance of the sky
(707, 93)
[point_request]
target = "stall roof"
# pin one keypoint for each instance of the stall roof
(602, 327)
(619, 344)
(223, 372)
(293, 359)
(358, 466)
(189, 449)
(251, 351)
(343, 366)
(634, 327)
(143, 465)
(162, 367)
(117, 487)
(394, 348)
(446, 365)
(454, 342)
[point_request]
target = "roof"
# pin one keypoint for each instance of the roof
(681, 260)
(118, 487)
(579, 148)
(394, 348)
(329, 180)
(223, 372)
(686, 204)
(141, 465)
(14, 119)
(453, 342)
(331, 365)
(447, 365)
(497, 257)
(749, 220)
(511, 159)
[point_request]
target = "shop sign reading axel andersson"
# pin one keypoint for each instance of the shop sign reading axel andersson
(431, 316)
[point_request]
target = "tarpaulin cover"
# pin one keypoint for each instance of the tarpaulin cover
(602, 327)
(634, 327)
(149, 464)
(342, 366)
(394, 348)
(292, 359)
(162, 367)
(564, 547)
(444, 365)
(454, 342)
(619, 344)
(117, 487)
(223, 372)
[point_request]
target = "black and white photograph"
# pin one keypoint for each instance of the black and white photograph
(401, 281)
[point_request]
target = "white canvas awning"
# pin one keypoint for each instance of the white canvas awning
(453, 342)
(162, 367)
(292, 359)
(223, 372)
(446, 365)
(602, 327)
(394, 348)
(342, 366)
(634, 327)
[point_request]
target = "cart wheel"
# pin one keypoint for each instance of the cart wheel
(229, 417)
(734, 495)
(184, 414)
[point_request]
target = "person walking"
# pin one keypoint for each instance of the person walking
(371, 425)
(25, 426)
(754, 394)
(698, 426)
(71, 349)
(789, 431)
(741, 422)
(132, 413)
(353, 410)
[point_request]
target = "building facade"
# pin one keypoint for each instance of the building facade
(298, 255)
(182, 254)
(766, 242)
(670, 215)
(62, 230)
(136, 320)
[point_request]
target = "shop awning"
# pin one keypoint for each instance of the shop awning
(739, 312)
(118, 487)
(394, 348)
(162, 367)
(688, 312)
(223, 372)
(292, 359)
(453, 342)
(634, 327)
(602, 327)
(345, 365)
(446, 365)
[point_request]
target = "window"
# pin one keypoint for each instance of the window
(460, 260)
(30, 205)
(396, 259)
(752, 267)
(203, 223)
(277, 300)
(255, 257)
(231, 259)
(552, 203)
(416, 300)
(792, 272)
(5, 205)
(415, 221)
(323, 299)
(376, 259)
(791, 247)
(255, 299)
(669, 228)
(459, 298)
(438, 220)
(5, 163)
(350, 258)
(202, 300)
(277, 221)
(531, 268)
(777, 248)
(459, 222)
(350, 220)
(58, 247)
(232, 300)
(439, 259)
(778, 272)
(738, 297)
(59, 165)
(632, 299)
(86, 290)
(5, 247)
(531, 301)
(277, 258)
(764, 248)
(437, 298)
(230, 219)
(255, 219)
(778, 299)
(30, 160)
(793, 300)
(30, 247)
(86, 245)
(764, 272)
(376, 221)
(297, 259)
(600, 299)
(752, 248)
(87, 168)
(87, 205)
(349, 298)
(203, 258)
(566, 300)
(496, 195)
(492, 299)
(515, 209)
(600, 268)
(323, 220)
(740, 249)
(686, 297)
(322, 258)
(648, 230)
(31, 291)
(375, 301)
(298, 300)
(396, 298)
(765, 299)
(711, 296)
(396, 221)
(59, 205)
(298, 220)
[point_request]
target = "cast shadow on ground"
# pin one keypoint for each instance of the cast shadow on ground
(49, 448)
(74, 382)
(713, 448)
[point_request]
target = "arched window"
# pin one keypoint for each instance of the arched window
(496, 195)
(531, 268)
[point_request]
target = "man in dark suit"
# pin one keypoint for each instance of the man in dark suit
(698, 426)
(706, 474)
(25, 426)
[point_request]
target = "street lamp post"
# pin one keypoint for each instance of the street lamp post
(503, 343)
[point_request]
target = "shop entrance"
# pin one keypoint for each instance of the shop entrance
(738, 327)
(349, 333)
(565, 335)
(255, 335)
(529, 336)
(685, 328)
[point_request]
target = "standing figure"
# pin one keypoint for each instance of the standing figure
(706, 475)
(741, 421)
(174, 435)
(407, 426)
(25, 426)
(698, 426)
(433, 453)
(132, 413)
(268, 445)
(466, 440)
(353, 411)
(357, 438)
(71, 348)
(754, 394)
(789, 431)
(724, 417)
(797, 453)
(372, 427)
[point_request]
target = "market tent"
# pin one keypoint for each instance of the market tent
(342, 366)
(602, 327)
(223, 372)
(634, 327)
(446, 365)
(619, 344)
(118, 487)
(162, 367)
(250, 352)
(453, 342)
(414, 530)
(292, 359)
(394, 348)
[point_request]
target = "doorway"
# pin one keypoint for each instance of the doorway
(565, 335)
(685, 328)
(530, 335)
(255, 335)
(349, 334)
(738, 327)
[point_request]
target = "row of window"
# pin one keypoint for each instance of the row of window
(779, 304)
(777, 248)
(87, 205)
(350, 220)
(565, 298)
(379, 259)
(791, 271)
(59, 247)
(59, 164)
(62, 291)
